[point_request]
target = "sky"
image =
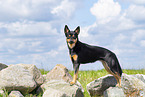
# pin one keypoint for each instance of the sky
(32, 31)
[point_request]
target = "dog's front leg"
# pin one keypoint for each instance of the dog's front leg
(76, 70)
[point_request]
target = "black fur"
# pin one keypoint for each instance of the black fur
(86, 53)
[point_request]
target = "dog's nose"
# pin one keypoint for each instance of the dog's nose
(71, 42)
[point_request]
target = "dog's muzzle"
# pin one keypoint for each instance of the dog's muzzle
(71, 41)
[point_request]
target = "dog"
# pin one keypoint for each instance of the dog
(81, 53)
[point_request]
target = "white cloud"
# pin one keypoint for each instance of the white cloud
(112, 19)
(136, 13)
(30, 31)
(35, 10)
(20, 46)
(65, 9)
(142, 43)
(125, 3)
(141, 2)
(120, 30)
(105, 10)
(29, 28)
(138, 35)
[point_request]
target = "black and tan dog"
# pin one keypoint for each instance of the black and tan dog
(81, 53)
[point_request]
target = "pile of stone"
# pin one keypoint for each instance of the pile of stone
(21, 79)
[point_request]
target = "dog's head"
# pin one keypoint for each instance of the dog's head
(71, 36)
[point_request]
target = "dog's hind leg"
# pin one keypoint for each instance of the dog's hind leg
(115, 74)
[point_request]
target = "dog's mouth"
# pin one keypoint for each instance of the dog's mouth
(71, 45)
(71, 42)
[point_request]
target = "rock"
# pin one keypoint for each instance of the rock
(140, 77)
(2, 66)
(54, 93)
(114, 92)
(15, 94)
(132, 86)
(59, 72)
(16, 77)
(38, 77)
(60, 88)
(44, 76)
(98, 86)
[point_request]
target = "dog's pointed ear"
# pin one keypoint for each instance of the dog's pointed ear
(66, 29)
(77, 30)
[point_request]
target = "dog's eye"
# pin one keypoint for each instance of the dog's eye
(69, 35)
(73, 35)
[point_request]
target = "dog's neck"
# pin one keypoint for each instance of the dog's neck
(72, 50)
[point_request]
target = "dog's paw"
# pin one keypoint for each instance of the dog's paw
(118, 85)
(72, 83)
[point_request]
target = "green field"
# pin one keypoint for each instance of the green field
(85, 77)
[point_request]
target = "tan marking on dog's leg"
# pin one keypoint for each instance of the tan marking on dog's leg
(118, 80)
(76, 74)
(116, 75)
(74, 78)
(75, 57)
(119, 83)
(106, 67)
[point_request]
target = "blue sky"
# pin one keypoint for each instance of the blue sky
(31, 31)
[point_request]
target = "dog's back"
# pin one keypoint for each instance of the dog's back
(82, 53)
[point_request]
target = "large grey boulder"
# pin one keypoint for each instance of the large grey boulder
(34, 71)
(2, 66)
(59, 72)
(132, 86)
(60, 88)
(16, 77)
(98, 86)
(114, 92)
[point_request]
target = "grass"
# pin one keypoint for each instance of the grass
(85, 77)
(43, 71)
(129, 71)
